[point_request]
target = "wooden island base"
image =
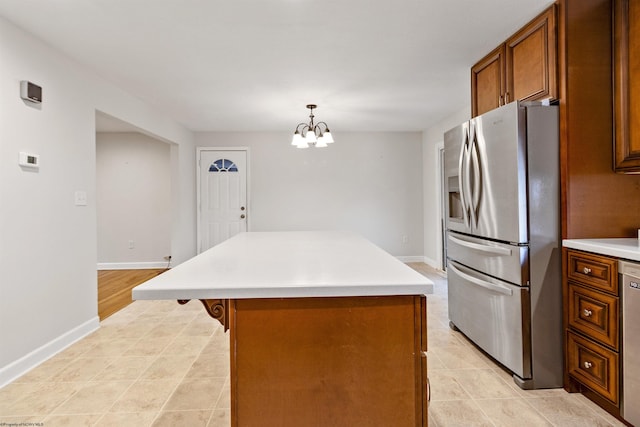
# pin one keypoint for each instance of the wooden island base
(340, 361)
(349, 361)
(336, 342)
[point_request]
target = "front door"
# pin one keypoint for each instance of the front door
(222, 208)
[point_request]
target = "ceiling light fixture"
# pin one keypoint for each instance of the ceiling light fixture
(311, 135)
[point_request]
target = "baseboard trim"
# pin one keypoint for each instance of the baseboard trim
(26, 363)
(432, 263)
(411, 258)
(131, 265)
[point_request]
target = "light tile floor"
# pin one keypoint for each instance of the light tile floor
(157, 363)
(469, 389)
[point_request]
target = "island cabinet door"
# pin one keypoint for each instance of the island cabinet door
(344, 361)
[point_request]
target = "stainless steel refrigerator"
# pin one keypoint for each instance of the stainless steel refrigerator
(503, 239)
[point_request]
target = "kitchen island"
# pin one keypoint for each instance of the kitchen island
(325, 327)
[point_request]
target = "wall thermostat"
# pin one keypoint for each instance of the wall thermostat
(30, 92)
(29, 160)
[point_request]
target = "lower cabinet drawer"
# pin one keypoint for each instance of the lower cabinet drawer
(598, 271)
(594, 366)
(594, 314)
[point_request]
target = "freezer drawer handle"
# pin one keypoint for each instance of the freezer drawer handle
(493, 287)
(482, 248)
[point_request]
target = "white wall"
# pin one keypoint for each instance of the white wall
(133, 184)
(369, 183)
(48, 246)
(432, 138)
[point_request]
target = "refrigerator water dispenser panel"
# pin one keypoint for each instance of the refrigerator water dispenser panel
(454, 203)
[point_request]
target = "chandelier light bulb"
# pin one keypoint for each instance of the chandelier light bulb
(311, 137)
(327, 137)
(321, 142)
(297, 139)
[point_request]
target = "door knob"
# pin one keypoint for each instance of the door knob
(242, 208)
(242, 216)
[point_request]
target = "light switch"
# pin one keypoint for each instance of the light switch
(81, 198)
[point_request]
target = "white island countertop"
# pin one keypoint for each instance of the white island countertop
(620, 248)
(287, 265)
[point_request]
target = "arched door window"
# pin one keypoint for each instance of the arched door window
(223, 165)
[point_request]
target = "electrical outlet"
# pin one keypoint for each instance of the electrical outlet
(132, 244)
(81, 198)
(405, 239)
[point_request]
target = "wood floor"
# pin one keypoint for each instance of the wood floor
(114, 288)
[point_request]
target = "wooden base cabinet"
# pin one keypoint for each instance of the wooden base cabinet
(593, 327)
(523, 68)
(349, 361)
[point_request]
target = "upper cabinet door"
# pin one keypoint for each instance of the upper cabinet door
(531, 60)
(627, 86)
(524, 68)
(488, 82)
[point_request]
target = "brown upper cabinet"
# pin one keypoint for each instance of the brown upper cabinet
(522, 68)
(488, 83)
(627, 85)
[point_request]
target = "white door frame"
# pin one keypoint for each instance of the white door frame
(199, 151)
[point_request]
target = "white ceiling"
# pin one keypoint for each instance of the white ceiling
(253, 65)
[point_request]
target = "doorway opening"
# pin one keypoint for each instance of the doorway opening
(133, 208)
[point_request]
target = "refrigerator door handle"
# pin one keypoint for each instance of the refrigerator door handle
(462, 169)
(491, 286)
(468, 166)
(493, 250)
(476, 190)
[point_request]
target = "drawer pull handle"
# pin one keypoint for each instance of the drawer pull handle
(586, 270)
(587, 312)
(588, 365)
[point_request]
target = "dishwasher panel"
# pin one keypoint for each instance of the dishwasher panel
(630, 282)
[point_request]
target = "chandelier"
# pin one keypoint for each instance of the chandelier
(312, 135)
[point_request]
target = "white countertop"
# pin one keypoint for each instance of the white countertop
(287, 265)
(620, 248)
